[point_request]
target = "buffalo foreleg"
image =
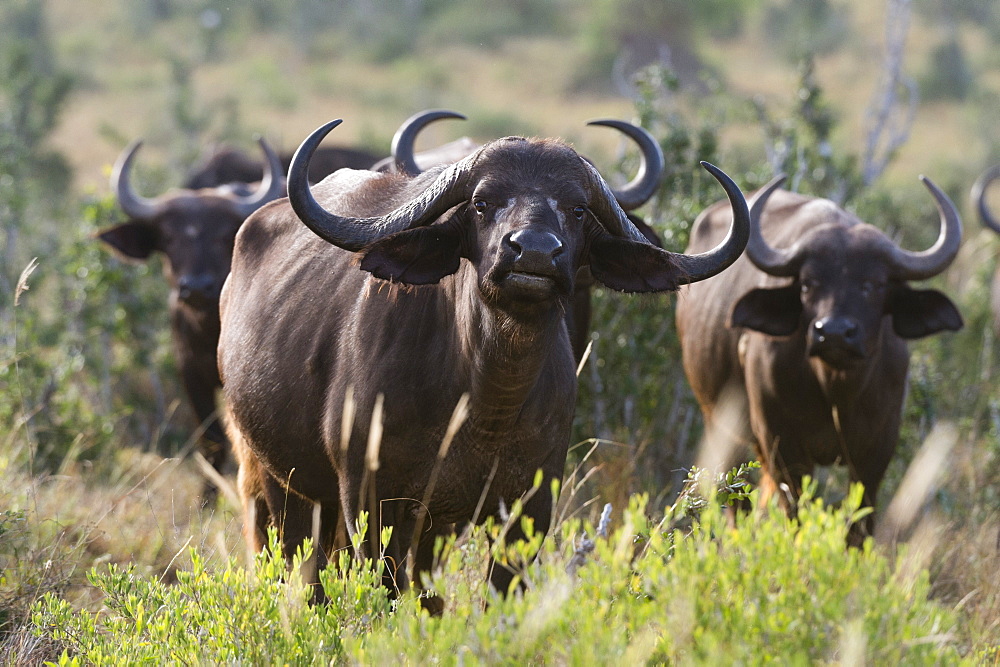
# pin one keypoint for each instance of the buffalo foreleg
(296, 517)
(213, 443)
(506, 564)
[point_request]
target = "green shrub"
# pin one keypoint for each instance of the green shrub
(769, 587)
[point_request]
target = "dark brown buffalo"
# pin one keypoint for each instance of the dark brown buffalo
(421, 290)
(633, 195)
(231, 165)
(979, 190)
(194, 229)
(808, 334)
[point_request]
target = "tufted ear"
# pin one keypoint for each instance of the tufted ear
(420, 256)
(774, 311)
(629, 266)
(919, 313)
(134, 240)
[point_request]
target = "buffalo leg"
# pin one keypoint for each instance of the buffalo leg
(293, 515)
(423, 564)
(781, 467)
(381, 514)
(870, 475)
(250, 478)
(213, 443)
(537, 507)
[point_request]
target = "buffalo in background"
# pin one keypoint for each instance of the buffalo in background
(979, 190)
(231, 165)
(803, 341)
(195, 231)
(358, 316)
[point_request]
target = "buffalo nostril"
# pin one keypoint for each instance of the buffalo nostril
(203, 285)
(535, 242)
(836, 329)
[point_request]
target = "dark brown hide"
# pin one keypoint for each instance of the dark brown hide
(305, 322)
(195, 230)
(815, 363)
(231, 165)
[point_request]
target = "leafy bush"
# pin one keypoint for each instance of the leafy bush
(770, 586)
(91, 353)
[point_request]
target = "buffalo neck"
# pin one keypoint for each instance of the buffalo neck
(842, 387)
(506, 355)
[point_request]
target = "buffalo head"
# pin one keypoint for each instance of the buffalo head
(194, 229)
(631, 196)
(846, 276)
(526, 213)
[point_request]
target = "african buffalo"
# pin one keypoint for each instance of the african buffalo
(979, 190)
(194, 229)
(630, 197)
(808, 338)
(406, 294)
(231, 165)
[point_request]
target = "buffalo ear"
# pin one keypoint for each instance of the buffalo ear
(646, 230)
(918, 313)
(420, 256)
(135, 240)
(774, 311)
(629, 266)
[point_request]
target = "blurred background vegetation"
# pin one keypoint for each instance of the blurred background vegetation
(87, 385)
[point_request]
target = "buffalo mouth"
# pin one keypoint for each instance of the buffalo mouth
(838, 357)
(198, 298)
(531, 286)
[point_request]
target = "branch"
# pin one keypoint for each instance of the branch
(888, 124)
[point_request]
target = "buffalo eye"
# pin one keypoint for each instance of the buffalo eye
(480, 206)
(870, 288)
(807, 286)
(578, 212)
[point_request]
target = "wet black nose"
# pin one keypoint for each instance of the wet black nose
(199, 286)
(534, 251)
(836, 331)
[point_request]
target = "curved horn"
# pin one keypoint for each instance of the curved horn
(707, 264)
(775, 262)
(695, 267)
(638, 191)
(979, 189)
(406, 136)
(271, 186)
(920, 265)
(134, 205)
(355, 233)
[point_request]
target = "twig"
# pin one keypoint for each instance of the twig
(586, 545)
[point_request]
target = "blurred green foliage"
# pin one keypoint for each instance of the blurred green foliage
(805, 28)
(33, 93)
(948, 75)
